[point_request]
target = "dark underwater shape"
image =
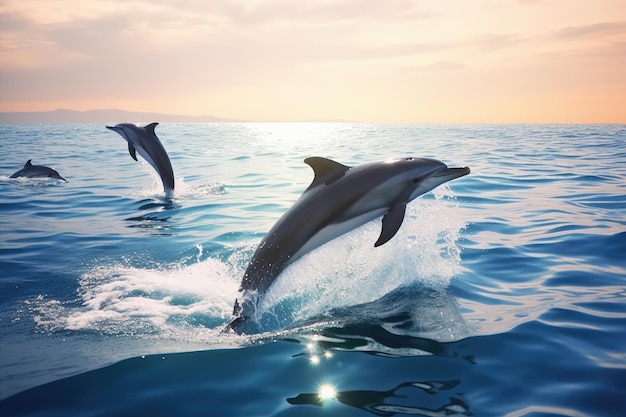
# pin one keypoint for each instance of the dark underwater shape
(145, 141)
(340, 199)
(37, 171)
(380, 403)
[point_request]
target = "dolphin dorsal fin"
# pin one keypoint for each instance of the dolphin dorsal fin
(150, 128)
(326, 171)
(28, 163)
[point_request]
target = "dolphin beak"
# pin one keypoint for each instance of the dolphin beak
(112, 128)
(452, 173)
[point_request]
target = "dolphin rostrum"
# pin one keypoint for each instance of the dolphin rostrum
(37, 171)
(340, 199)
(144, 141)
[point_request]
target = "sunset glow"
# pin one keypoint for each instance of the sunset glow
(537, 61)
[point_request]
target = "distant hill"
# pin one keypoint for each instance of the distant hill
(111, 116)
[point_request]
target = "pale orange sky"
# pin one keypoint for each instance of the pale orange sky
(433, 61)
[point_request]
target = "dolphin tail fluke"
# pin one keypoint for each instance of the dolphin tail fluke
(238, 320)
(232, 326)
(236, 308)
(391, 223)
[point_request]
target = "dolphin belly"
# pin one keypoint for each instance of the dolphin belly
(159, 160)
(335, 230)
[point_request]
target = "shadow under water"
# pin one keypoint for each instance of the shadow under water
(401, 323)
(381, 403)
(155, 217)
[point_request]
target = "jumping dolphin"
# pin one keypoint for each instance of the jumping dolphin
(340, 199)
(37, 171)
(145, 141)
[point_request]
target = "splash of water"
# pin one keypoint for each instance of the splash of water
(192, 303)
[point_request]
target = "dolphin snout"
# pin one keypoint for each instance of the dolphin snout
(452, 173)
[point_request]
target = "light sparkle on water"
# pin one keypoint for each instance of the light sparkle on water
(327, 392)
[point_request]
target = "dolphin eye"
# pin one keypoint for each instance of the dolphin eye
(415, 180)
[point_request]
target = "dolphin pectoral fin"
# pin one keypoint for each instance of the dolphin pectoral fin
(131, 151)
(391, 223)
(326, 171)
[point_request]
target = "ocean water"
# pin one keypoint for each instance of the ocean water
(503, 294)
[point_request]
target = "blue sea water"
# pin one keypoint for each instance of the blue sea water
(503, 294)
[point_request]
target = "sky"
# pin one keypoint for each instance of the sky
(396, 61)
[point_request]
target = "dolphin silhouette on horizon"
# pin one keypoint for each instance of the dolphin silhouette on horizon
(340, 199)
(144, 141)
(37, 171)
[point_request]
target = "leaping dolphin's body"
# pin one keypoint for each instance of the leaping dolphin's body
(37, 171)
(340, 199)
(146, 142)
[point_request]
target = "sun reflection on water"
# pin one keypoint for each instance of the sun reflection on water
(440, 398)
(327, 392)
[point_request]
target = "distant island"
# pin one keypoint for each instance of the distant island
(110, 116)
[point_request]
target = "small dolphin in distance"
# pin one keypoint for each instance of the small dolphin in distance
(144, 141)
(340, 199)
(37, 171)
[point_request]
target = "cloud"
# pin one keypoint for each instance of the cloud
(322, 54)
(495, 41)
(56, 11)
(595, 30)
(438, 66)
(177, 41)
(316, 13)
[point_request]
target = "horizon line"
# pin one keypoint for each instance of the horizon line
(219, 119)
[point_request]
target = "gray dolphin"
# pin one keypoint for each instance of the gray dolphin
(146, 142)
(37, 171)
(340, 199)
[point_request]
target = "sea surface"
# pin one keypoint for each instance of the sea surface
(503, 293)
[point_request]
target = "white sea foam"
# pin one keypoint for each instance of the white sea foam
(187, 303)
(33, 182)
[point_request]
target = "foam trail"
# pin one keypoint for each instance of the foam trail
(183, 190)
(188, 303)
